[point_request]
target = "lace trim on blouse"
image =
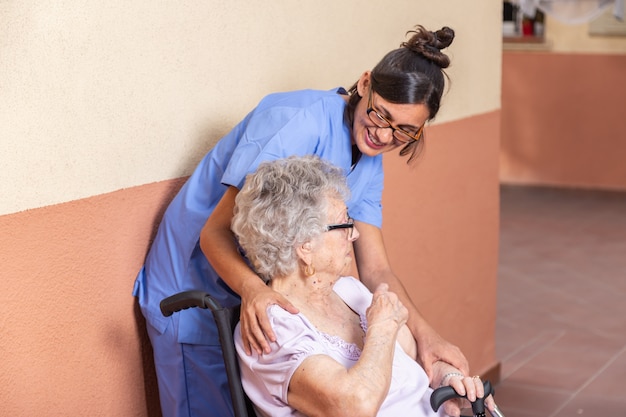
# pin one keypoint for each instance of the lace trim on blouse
(350, 350)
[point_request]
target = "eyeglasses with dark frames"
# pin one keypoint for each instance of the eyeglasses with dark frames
(349, 224)
(401, 136)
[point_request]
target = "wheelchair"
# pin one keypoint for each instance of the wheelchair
(226, 318)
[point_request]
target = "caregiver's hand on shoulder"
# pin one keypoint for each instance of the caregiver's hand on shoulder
(256, 330)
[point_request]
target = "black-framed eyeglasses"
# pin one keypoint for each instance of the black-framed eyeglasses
(400, 135)
(349, 224)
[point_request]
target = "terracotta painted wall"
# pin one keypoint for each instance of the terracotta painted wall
(441, 220)
(73, 341)
(563, 110)
(563, 119)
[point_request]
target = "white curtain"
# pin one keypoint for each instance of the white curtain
(572, 11)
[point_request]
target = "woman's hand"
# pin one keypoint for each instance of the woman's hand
(386, 307)
(256, 330)
(432, 348)
(469, 387)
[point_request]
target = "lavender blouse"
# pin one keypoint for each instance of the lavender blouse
(266, 377)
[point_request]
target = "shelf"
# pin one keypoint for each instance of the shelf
(526, 43)
(523, 39)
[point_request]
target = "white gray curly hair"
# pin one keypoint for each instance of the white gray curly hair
(282, 205)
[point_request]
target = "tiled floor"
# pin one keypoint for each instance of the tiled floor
(561, 324)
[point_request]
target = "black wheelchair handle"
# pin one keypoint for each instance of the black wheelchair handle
(187, 299)
(443, 394)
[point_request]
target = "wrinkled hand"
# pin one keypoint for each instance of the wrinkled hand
(471, 388)
(256, 330)
(386, 306)
(432, 348)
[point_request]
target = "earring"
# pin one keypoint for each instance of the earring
(309, 270)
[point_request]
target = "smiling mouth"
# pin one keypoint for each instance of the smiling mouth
(373, 142)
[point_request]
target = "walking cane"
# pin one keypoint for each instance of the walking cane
(443, 394)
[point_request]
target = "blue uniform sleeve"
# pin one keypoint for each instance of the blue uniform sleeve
(277, 130)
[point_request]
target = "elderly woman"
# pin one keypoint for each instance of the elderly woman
(347, 351)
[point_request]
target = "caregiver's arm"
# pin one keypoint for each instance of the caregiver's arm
(219, 246)
(374, 269)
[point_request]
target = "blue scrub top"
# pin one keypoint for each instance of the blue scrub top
(283, 124)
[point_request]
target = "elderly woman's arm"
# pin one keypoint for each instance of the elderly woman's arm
(219, 246)
(320, 386)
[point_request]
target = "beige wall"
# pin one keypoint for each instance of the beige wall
(563, 111)
(116, 94)
(564, 38)
(105, 108)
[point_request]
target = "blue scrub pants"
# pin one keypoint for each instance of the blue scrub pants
(192, 378)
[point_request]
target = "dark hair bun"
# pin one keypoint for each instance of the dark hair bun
(429, 44)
